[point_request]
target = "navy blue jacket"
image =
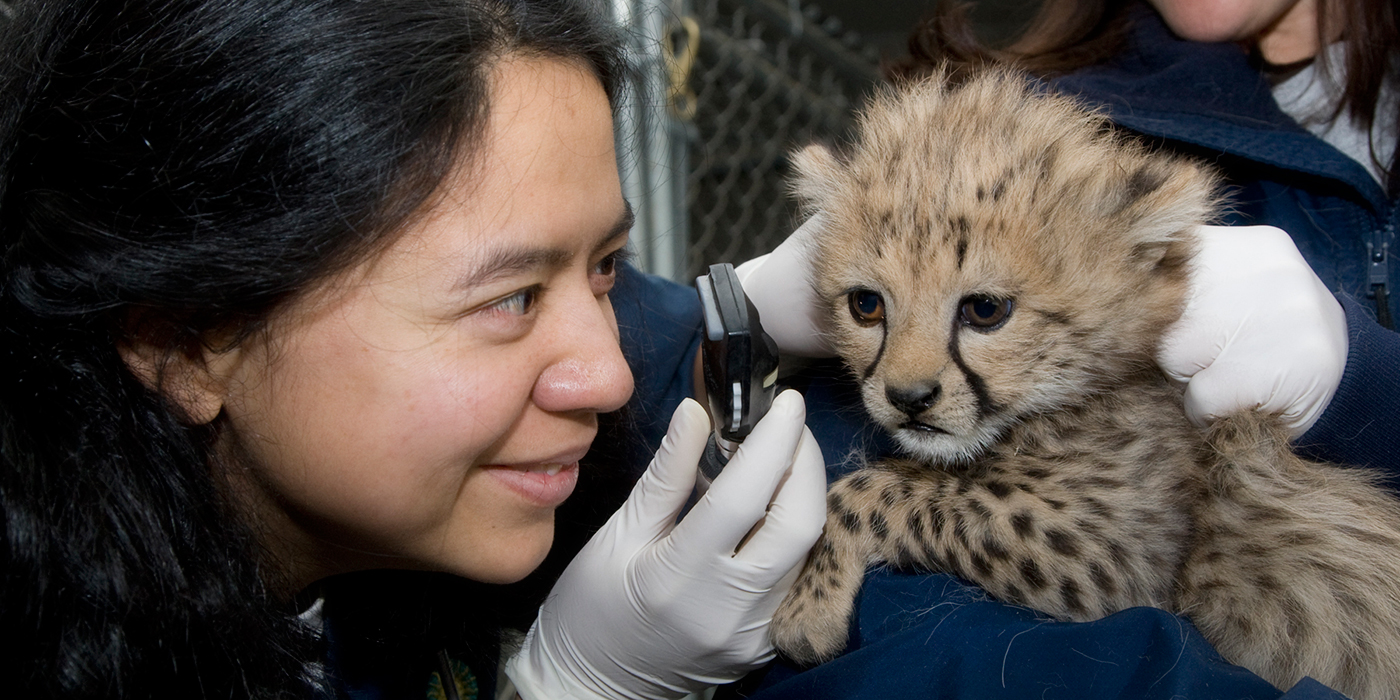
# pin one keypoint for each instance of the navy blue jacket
(1208, 100)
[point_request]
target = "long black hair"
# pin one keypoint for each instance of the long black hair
(171, 173)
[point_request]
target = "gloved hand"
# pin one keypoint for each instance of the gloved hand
(652, 608)
(780, 286)
(1260, 330)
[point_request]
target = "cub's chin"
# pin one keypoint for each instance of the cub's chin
(938, 446)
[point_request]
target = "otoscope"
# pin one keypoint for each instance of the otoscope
(740, 363)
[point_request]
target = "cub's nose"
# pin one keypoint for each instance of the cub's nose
(913, 400)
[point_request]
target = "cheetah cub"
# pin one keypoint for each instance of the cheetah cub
(998, 265)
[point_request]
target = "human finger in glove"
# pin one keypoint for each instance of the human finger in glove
(1259, 331)
(655, 608)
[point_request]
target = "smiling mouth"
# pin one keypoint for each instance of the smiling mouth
(920, 427)
(550, 469)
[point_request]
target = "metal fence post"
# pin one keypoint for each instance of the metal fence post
(651, 144)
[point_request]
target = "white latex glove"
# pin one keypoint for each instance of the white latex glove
(780, 286)
(655, 609)
(1260, 330)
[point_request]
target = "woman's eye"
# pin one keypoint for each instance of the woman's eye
(604, 272)
(607, 266)
(517, 304)
(985, 313)
(867, 307)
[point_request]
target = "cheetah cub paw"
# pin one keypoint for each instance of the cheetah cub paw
(810, 626)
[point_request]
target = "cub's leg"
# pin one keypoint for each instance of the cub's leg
(1297, 567)
(1074, 548)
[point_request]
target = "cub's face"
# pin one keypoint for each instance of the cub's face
(974, 280)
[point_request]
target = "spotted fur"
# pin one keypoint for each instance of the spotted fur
(998, 264)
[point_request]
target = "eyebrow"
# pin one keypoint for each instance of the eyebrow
(508, 261)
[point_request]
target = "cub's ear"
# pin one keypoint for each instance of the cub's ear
(816, 172)
(1160, 202)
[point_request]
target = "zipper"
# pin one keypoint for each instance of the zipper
(1378, 251)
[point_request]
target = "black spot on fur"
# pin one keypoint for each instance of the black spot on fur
(859, 482)
(848, 519)
(995, 550)
(1069, 594)
(915, 525)
(878, 526)
(960, 225)
(980, 565)
(1145, 181)
(1031, 574)
(931, 558)
(1368, 536)
(1241, 623)
(1063, 542)
(998, 489)
(981, 193)
(1096, 507)
(1105, 583)
(1118, 554)
(936, 521)
(903, 557)
(980, 510)
(1023, 524)
(1295, 617)
(1048, 157)
(1057, 505)
(889, 496)
(962, 250)
(1036, 473)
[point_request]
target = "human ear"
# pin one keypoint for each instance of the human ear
(194, 381)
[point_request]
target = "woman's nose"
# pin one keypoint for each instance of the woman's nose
(589, 373)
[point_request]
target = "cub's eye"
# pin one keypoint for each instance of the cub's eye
(867, 307)
(985, 313)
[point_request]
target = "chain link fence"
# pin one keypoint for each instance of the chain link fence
(766, 77)
(732, 86)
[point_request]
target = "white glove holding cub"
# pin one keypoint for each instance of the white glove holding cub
(651, 608)
(780, 286)
(1260, 330)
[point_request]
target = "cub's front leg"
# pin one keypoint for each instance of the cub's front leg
(811, 624)
(1073, 547)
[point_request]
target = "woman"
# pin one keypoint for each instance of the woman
(298, 289)
(1287, 322)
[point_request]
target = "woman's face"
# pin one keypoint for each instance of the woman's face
(429, 410)
(1284, 30)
